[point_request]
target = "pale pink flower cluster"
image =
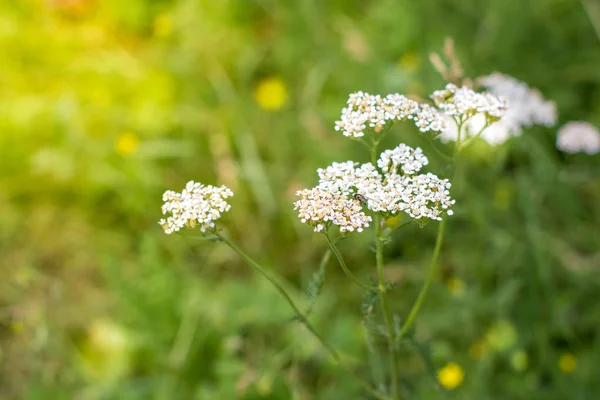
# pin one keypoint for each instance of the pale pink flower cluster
(320, 208)
(196, 205)
(392, 186)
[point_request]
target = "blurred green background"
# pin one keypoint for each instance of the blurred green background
(106, 104)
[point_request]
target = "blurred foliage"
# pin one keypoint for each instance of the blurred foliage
(105, 104)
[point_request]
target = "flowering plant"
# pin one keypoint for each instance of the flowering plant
(352, 197)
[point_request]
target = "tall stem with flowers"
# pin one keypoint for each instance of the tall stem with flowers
(351, 197)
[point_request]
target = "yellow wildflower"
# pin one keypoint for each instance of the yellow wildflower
(451, 376)
(127, 144)
(271, 93)
(162, 26)
(567, 363)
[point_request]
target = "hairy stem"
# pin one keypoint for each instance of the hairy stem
(334, 354)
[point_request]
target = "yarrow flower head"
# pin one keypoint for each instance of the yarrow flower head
(527, 108)
(320, 208)
(408, 159)
(392, 186)
(348, 177)
(366, 111)
(196, 205)
(464, 103)
(476, 111)
(578, 137)
(429, 119)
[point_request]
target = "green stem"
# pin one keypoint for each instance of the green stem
(459, 125)
(334, 354)
(384, 305)
(374, 152)
(434, 146)
(397, 228)
(364, 143)
(469, 140)
(320, 277)
(382, 291)
(432, 268)
(436, 251)
(337, 253)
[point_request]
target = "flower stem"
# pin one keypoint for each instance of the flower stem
(392, 348)
(382, 290)
(337, 253)
(364, 143)
(472, 138)
(436, 251)
(432, 268)
(437, 150)
(334, 354)
(374, 153)
(405, 224)
(457, 145)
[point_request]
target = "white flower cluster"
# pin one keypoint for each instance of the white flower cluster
(196, 205)
(342, 178)
(365, 110)
(428, 119)
(527, 108)
(464, 103)
(319, 208)
(578, 136)
(410, 160)
(393, 188)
